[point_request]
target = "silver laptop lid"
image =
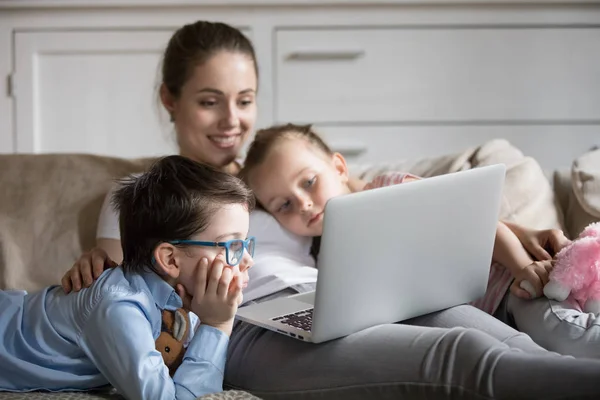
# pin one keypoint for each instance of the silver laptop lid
(402, 251)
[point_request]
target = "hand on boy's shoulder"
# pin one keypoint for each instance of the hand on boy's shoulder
(391, 178)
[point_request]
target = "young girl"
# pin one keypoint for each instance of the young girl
(293, 174)
(182, 223)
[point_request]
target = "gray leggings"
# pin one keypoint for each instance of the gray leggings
(459, 353)
(557, 326)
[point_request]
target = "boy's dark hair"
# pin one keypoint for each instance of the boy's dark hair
(174, 200)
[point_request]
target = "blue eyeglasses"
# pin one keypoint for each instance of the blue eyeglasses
(234, 249)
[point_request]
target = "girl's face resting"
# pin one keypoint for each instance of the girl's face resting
(295, 181)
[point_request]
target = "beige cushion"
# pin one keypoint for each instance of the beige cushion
(586, 181)
(528, 197)
(49, 206)
(579, 190)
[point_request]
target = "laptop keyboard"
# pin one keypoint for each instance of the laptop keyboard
(301, 319)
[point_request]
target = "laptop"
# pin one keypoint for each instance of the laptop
(394, 253)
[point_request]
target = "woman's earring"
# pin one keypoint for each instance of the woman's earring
(172, 117)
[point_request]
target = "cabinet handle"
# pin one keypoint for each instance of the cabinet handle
(318, 55)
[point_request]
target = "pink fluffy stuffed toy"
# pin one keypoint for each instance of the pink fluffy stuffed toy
(577, 271)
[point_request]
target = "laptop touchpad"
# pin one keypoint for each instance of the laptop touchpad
(308, 297)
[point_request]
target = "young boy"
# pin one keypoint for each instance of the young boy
(293, 174)
(182, 223)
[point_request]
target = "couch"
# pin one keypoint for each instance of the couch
(49, 205)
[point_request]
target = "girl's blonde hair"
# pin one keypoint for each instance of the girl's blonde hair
(266, 139)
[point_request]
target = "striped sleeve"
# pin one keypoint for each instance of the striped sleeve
(498, 283)
(390, 178)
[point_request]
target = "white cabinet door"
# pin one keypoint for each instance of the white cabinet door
(90, 92)
(438, 75)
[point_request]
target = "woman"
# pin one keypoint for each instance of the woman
(209, 90)
(209, 87)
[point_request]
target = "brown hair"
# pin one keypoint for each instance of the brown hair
(266, 139)
(174, 200)
(193, 44)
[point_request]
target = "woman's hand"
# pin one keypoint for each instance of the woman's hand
(217, 294)
(86, 270)
(530, 281)
(541, 244)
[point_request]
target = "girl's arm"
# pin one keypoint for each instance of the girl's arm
(509, 252)
(541, 244)
(390, 178)
(118, 338)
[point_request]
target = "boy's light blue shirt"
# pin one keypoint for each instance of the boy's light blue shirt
(103, 335)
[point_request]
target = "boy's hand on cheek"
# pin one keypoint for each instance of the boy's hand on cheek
(236, 283)
(213, 300)
(186, 297)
